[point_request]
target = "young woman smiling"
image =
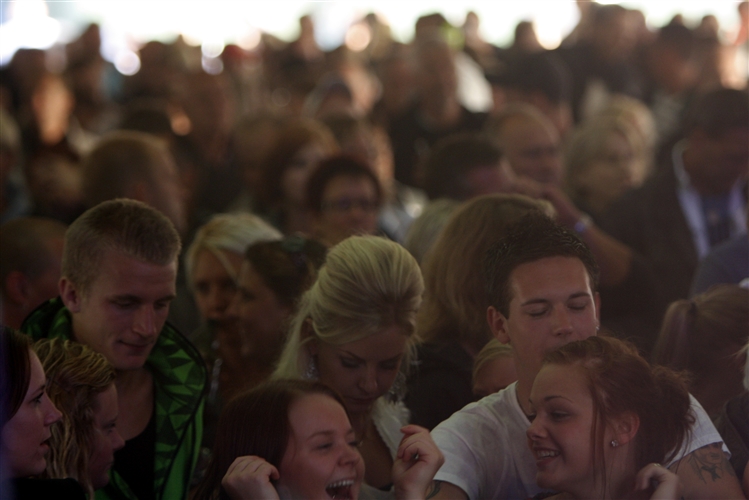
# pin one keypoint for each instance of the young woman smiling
(604, 421)
(291, 439)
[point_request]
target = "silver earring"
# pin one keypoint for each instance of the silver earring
(614, 443)
(311, 372)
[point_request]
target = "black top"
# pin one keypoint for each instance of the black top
(411, 140)
(440, 384)
(135, 462)
(38, 489)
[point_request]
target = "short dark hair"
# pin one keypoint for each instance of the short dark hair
(717, 112)
(337, 166)
(534, 237)
(543, 72)
(256, 423)
(24, 245)
(451, 159)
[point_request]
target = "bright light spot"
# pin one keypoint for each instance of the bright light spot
(190, 39)
(251, 40)
(29, 9)
(29, 27)
(358, 37)
(212, 49)
(212, 65)
(127, 62)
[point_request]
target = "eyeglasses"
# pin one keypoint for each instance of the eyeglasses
(348, 204)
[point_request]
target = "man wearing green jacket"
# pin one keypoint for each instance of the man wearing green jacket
(118, 278)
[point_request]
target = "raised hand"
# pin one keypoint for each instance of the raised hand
(666, 483)
(417, 462)
(249, 478)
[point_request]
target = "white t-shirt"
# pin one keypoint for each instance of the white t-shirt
(487, 455)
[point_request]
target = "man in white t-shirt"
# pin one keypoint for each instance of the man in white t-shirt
(543, 280)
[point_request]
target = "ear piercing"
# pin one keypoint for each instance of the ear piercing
(614, 443)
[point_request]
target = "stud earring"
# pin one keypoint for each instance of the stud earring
(614, 443)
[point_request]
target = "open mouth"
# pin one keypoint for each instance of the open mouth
(340, 489)
(544, 456)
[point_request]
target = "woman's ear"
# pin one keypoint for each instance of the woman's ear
(625, 427)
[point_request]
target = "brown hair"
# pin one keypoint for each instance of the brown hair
(290, 139)
(288, 267)
(255, 423)
(15, 367)
(76, 375)
(620, 381)
(456, 299)
(332, 168)
(25, 246)
(696, 333)
(119, 160)
(124, 225)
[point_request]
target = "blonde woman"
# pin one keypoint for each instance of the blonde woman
(604, 158)
(80, 383)
(353, 330)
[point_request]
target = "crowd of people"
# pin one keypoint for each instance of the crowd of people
(330, 275)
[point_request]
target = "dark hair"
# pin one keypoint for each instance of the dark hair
(288, 267)
(451, 159)
(621, 381)
(24, 246)
(534, 237)
(293, 136)
(15, 368)
(697, 333)
(337, 166)
(678, 38)
(255, 423)
(718, 112)
(541, 72)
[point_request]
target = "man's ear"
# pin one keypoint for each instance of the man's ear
(16, 287)
(497, 324)
(70, 295)
(625, 427)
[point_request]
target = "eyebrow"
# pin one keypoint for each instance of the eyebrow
(546, 301)
(552, 397)
(329, 433)
(361, 359)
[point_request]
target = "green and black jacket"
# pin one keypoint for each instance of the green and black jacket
(180, 380)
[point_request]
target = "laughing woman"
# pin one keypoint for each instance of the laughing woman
(604, 421)
(292, 439)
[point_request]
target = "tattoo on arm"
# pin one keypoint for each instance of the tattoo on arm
(709, 462)
(434, 490)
